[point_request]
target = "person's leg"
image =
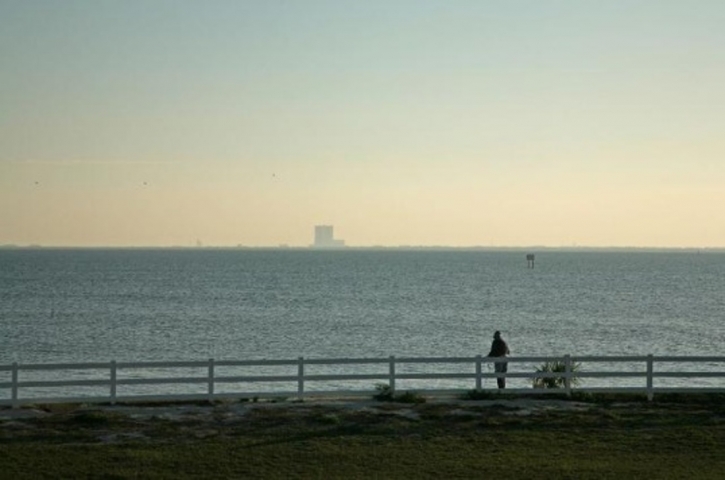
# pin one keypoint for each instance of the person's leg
(500, 367)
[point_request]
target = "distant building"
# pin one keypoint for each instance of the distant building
(325, 237)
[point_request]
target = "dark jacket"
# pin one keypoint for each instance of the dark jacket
(498, 348)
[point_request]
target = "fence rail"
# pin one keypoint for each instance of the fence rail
(204, 380)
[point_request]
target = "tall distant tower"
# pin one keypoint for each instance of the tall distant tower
(325, 237)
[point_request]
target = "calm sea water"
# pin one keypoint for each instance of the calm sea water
(63, 305)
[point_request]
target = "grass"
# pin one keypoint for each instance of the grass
(620, 438)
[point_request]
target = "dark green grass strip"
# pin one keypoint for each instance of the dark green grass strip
(680, 452)
(651, 443)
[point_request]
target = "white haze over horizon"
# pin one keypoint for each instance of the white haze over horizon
(421, 123)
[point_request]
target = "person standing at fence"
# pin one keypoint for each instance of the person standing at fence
(499, 348)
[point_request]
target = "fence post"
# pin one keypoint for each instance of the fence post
(300, 377)
(567, 374)
(650, 377)
(15, 402)
(113, 382)
(478, 372)
(210, 380)
(391, 380)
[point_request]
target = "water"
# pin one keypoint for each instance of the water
(68, 305)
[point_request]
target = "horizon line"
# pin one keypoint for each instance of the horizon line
(11, 246)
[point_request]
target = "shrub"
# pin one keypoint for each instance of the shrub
(555, 381)
(385, 394)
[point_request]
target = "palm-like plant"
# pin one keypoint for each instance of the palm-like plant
(556, 381)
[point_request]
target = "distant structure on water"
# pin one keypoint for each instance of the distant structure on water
(325, 237)
(530, 260)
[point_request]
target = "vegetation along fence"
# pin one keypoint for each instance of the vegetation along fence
(211, 380)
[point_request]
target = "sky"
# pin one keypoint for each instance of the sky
(431, 123)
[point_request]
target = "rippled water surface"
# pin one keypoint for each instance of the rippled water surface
(131, 305)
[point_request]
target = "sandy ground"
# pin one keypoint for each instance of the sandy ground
(175, 422)
(182, 411)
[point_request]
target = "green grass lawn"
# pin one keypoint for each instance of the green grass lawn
(660, 440)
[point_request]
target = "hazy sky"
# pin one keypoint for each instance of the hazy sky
(459, 123)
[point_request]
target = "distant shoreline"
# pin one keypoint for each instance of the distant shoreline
(531, 249)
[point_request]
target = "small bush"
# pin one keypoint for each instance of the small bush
(555, 381)
(385, 394)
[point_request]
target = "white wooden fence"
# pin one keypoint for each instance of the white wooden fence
(211, 380)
